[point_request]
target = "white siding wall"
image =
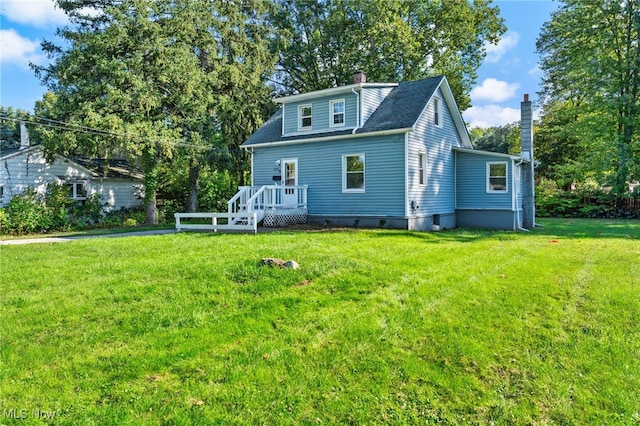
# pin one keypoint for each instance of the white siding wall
(30, 169)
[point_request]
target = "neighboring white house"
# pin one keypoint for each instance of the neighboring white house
(118, 184)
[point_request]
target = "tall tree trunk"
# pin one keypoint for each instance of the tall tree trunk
(194, 176)
(150, 181)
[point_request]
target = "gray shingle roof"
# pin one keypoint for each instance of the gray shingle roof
(399, 110)
(113, 169)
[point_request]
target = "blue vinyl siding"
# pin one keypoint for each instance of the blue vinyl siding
(372, 97)
(320, 114)
(320, 167)
(471, 188)
(438, 195)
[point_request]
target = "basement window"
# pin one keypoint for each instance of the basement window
(497, 177)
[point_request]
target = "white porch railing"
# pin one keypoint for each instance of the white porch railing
(260, 198)
(230, 222)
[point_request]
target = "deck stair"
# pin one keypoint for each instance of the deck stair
(273, 205)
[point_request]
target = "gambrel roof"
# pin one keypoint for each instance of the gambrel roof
(398, 112)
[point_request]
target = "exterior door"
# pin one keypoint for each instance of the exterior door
(290, 179)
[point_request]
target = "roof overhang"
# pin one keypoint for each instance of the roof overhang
(329, 92)
(329, 138)
(456, 116)
(20, 152)
(491, 154)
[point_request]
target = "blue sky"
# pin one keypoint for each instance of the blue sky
(509, 71)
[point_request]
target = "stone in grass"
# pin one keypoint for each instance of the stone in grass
(284, 264)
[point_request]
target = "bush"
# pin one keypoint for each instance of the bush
(588, 200)
(26, 213)
(31, 212)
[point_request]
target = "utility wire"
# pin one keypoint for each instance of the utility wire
(61, 125)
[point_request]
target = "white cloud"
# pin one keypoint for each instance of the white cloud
(495, 52)
(535, 70)
(490, 116)
(494, 90)
(18, 50)
(39, 13)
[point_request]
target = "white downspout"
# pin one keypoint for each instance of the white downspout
(358, 118)
(515, 195)
(250, 151)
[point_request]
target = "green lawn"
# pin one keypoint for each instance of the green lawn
(376, 327)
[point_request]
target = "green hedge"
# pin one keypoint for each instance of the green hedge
(31, 212)
(586, 201)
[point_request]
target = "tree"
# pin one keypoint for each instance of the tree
(591, 59)
(503, 139)
(322, 43)
(10, 136)
(157, 78)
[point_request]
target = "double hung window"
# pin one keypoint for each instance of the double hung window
(497, 176)
(353, 173)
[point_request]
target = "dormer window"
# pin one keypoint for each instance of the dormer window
(304, 117)
(437, 111)
(337, 113)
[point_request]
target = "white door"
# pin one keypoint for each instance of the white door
(290, 178)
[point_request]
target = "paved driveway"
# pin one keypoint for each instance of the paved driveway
(81, 237)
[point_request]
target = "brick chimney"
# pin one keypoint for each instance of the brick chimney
(359, 77)
(526, 137)
(24, 136)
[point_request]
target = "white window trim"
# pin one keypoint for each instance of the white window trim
(422, 165)
(344, 174)
(74, 183)
(506, 177)
(283, 170)
(300, 117)
(332, 114)
(437, 111)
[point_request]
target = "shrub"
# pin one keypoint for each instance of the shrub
(31, 212)
(588, 200)
(27, 213)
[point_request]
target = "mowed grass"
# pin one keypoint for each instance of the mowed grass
(376, 327)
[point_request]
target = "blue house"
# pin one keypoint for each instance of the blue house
(381, 154)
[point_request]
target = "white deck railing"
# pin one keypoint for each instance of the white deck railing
(260, 198)
(234, 222)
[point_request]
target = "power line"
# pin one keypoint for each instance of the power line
(61, 125)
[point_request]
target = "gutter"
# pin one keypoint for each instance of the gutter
(330, 138)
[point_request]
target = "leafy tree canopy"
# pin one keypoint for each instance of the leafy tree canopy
(323, 42)
(158, 76)
(591, 59)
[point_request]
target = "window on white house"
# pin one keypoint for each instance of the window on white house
(353, 173)
(422, 168)
(304, 114)
(1, 194)
(77, 190)
(437, 111)
(497, 176)
(337, 113)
